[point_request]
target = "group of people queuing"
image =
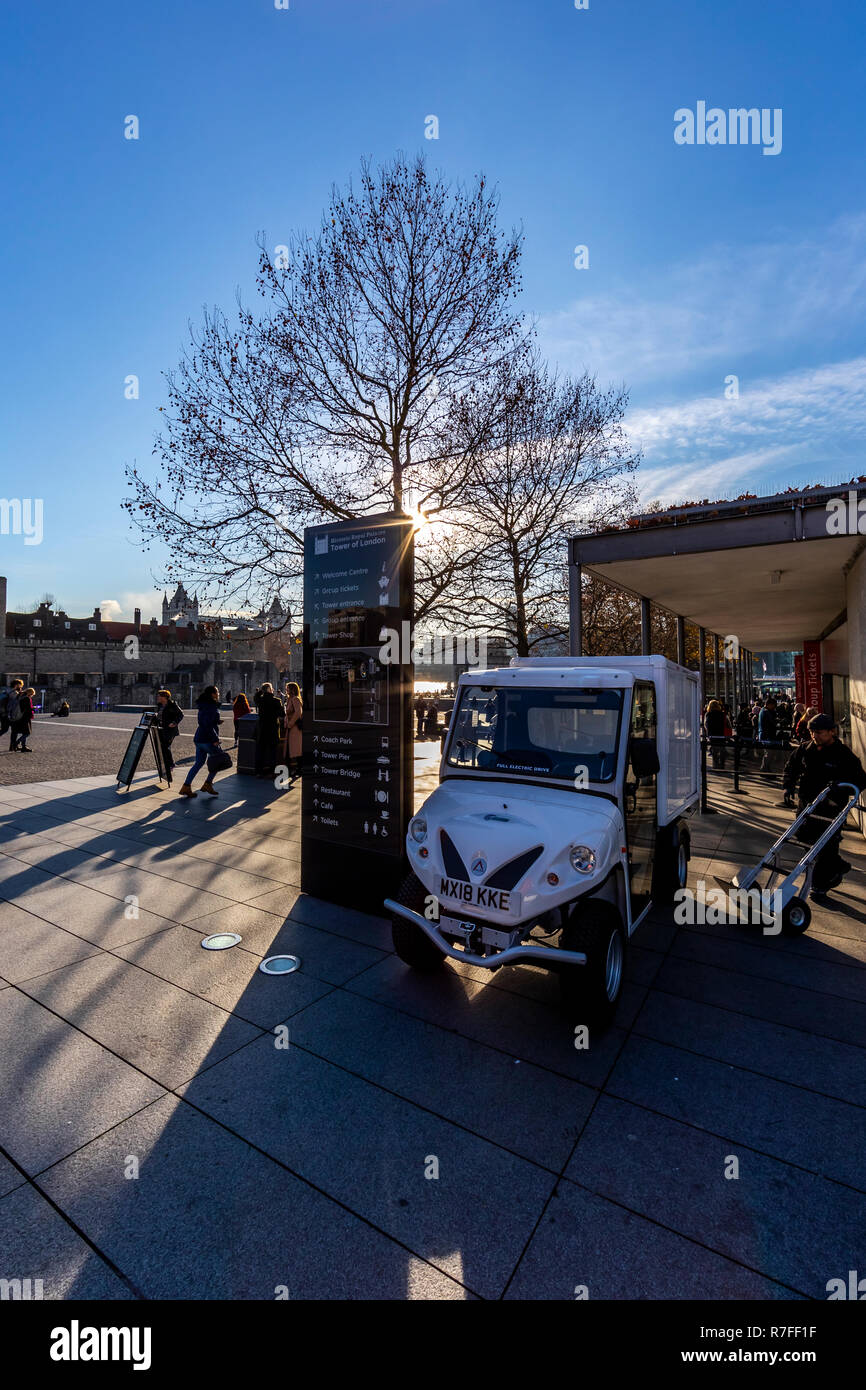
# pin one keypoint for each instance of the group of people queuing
(279, 739)
(760, 725)
(426, 709)
(819, 760)
(16, 715)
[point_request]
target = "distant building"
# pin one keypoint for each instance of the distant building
(180, 609)
(90, 662)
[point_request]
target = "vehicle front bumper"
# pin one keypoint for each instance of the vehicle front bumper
(513, 955)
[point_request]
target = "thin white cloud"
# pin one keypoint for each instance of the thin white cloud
(719, 308)
(806, 426)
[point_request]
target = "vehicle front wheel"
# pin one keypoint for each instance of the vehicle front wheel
(410, 942)
(590, 993)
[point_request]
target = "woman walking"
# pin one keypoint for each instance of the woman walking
(294, 745)
(206, 738)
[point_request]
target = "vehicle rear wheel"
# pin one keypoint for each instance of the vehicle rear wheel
(411, 944)
(590, 993)
(671, 868)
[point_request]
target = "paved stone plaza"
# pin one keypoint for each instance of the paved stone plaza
(161, 1142)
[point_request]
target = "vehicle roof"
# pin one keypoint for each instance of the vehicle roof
(625, 663)
(531, 677)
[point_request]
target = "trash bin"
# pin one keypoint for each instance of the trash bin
(247, 728)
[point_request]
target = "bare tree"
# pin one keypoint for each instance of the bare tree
(337, 399)
(557, 461)
(611, 619)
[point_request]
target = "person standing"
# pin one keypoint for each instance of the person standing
(801, 729)
(269, 734)
(420, 711)
(23, 722)
(294, 744)
(206, 738)
(431, 718)
(715, 728)
(823, 762)
(168, 717)
(768, 731)
(240, 707)
(10, 707)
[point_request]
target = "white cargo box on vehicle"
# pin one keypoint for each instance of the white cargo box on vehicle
(678, 717)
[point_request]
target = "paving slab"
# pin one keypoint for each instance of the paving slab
(820, 1064)
(166, 1032)
(532, 1112)
(841, 976)
(370, 1150)
(815, 1132)
(10, 1177)
(49, 855)
(210, 1218)
(322, 953)
(177, 868)
(29, 946)
(230, 979)
(344, 921)
(38, 1244)
(58, 1088)
(283, 867)
(585, 1242)
(793, 1006)
(511, 1023)
(18, 878)
(177, 902)
(792, 1226)
(95, 916)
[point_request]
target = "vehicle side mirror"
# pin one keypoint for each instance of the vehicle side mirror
(644, 757)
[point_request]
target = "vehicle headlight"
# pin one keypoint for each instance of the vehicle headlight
(582, 858)
(418, 829)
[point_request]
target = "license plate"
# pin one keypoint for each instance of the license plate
(456, 893)
(456, 926)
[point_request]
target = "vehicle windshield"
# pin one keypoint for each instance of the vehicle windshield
(536, 733)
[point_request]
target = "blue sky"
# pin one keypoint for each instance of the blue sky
(704, 261)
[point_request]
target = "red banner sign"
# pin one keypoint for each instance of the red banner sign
(812, 675)
(799, 680)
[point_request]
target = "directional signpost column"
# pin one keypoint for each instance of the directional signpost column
(358, 678)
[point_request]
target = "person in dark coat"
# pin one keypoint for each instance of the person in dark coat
(206, 738)
(823, 762)
(22, 724)
(169, 715)
(716, 728)
(768, 732)
(744, 729)
(240, 708)
(269, 734)
(420, 709)
(431, 718)
(9, 705)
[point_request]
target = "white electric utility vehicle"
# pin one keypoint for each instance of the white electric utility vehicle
(560, 816)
